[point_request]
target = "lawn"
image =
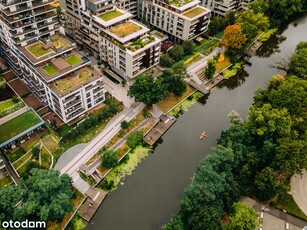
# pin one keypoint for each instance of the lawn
(50, 69)
(45, 157)
(110, 15)
(194, 12)
(6, 104)
(286, 202)
(180, 3)
(172, 100)
(38, 50)
(73, 59)
(222, 65)
(68, 83)
(20, 161)
(17, 125)
(58, 42)
(125, 29)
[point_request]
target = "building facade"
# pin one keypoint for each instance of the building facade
(46, 60)
(110, 34)
(221, 7)
(180, 20)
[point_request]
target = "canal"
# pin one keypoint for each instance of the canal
(152, 193)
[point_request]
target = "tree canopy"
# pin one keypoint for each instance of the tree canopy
(298, 61)
(109, 158)
(148, 90)
(44, 195)
(233, 38)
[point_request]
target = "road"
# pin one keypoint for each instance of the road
(98, 142)
(299, 190)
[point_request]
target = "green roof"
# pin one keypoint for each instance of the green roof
(110, 15)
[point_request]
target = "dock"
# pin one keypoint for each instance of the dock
(94, 198)
(164, 124)
(251, 51)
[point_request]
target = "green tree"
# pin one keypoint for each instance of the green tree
(188, 47)
(166, 60)
(268, 121)
(147, 90)
(257, 19)
(234, 117)
(40, 201)
(298, 63)
(35, 152)
(278, 11)
(210, 68)
(176, 53)
(109, 158)
(9, 197)
(124, 124)
(175, 83)
(250, 30)
(243, 218)
(134, 139)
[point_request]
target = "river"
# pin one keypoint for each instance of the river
(152, 193)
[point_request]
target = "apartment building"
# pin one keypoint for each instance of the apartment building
(47, 61)
(180, 19)
(221, 7)
(110, 34)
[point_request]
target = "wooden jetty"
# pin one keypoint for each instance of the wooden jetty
(251, 51)
(164, 124)
(94, 198)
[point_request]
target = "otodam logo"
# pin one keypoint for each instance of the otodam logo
(23, 224)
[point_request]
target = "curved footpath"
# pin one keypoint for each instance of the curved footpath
(299, 190)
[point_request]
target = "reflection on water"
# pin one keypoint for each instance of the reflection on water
(235, 81)
(271, 46)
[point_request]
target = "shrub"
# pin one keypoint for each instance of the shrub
(109, 158)
(124, 124)
(35, 152)
(134, 139)
(15, 99)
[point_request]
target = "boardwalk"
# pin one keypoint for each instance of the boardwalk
(154, 135)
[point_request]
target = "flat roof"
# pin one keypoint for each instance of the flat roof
(195, 12)
(185, 4)
(74, 80)
(126, 31)
(62, 66)
(124, 15)
(19, 126)
(39, 51)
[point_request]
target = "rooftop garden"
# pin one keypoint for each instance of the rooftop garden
(141, 43)
(125, 29)
(110, 15)
(38, 49)
(180, 2)
(70, 82)
(17, 125)
(159, 35)
(50, 69)
(57, 41)
(73, 59)
(194, 12)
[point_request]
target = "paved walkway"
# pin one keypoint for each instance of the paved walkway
(97, 143)
(299, 190)
(14, 114)
(201, 64)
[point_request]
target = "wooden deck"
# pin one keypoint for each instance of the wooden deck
(164, 124)
(94, 198)
(251, 51)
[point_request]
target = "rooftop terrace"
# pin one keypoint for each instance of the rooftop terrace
(74, 80)
(40, 50)
(125, 29)
(194, 12)
(180, 2)
(110, 15)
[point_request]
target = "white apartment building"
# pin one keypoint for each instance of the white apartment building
(180, 20)
(110, 34)
(47, 61)
(221, 7)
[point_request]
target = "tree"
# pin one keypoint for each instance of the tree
(45, 196)
(243, 218)
(257, 19)
(188, 47)
(298, 62)
(278, 11)
(218, 24)
(166, 60)
(250, 30)
(210, 68)
(134, 139)
(175, 83)
(124, 124)
(234, 117)
(109, 158)
(147, 90)
(233, 38)
(35, 152)
(176, 53)
(9, 197)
